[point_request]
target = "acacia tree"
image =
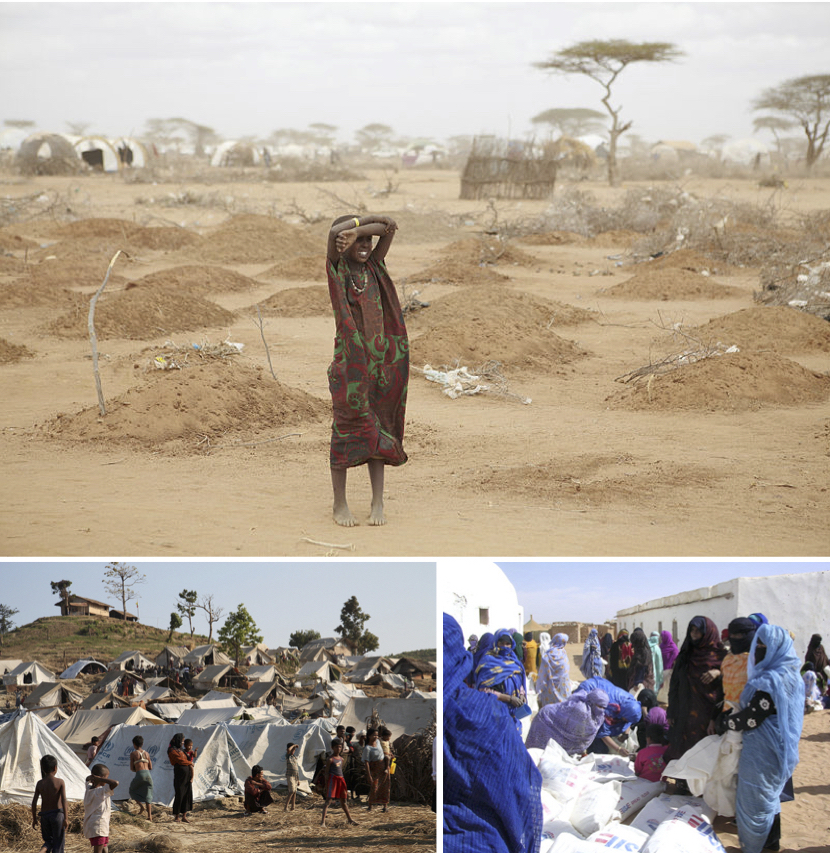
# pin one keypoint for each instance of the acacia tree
(604, 61)
(62, 589)
(166, 130)
(187, 606)
(775, 125)
(119, 580)
(806, 100)
(175, 624)
(374, 135)
(299, 638)
(239, 630)
(212, 611)
(6, 622)
(352, 619)
(572, 121)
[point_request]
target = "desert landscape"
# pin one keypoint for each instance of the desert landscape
(641, 400)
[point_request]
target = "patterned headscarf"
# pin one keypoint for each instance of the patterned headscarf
(669, 649)
(501, 666)
(554, 681)
(573, 724)
(592, 656)
(485, 644)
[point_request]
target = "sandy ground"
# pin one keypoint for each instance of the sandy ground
(219, 460)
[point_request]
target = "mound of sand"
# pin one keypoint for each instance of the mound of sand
(254, 239)
(197, 278)
(55, 283)
(777, 328)
(311, 301)
(226, 400)
(160, 238)
(670, 284)
(10, 352)
(301, 268)
(487, 250)
(493, 324)
(552, 238)
(455, 271)
(593, 478)
(10, 242)
(688, 259)
(613, 239)
(142, 313)
(10, 265)
(731, 382)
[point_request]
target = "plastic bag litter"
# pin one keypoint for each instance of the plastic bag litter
(617, 836)
(595, 807)
(460, 382)
(682, 835)
(636, 793)
(666, 806)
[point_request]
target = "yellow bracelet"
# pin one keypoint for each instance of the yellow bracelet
(356, 222)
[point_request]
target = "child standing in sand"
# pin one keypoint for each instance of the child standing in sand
(292, 775)
(98, 807)
(369, 375)
(335, 785)
(52, 791)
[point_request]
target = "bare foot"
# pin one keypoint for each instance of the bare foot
(352, 823)
(376, 516)
(343, 515)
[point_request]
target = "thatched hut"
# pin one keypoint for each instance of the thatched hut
(48, 154)
(499, 168)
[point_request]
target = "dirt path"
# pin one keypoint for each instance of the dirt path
(735, 463)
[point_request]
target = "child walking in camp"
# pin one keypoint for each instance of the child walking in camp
(369, 375)
(336, 783)
(292, 775)
(98, 807)
(52, 792)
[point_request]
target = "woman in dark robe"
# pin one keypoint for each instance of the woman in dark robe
(818, 658)
(182, 779)
(641, 670)
(620, 660)
(696, 689)
(605, 645)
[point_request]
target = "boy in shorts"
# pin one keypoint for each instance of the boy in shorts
(53, 820)
(98, 807)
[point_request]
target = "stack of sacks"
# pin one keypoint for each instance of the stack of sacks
(678, 824)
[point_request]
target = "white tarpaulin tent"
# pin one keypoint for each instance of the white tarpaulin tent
(6, 666)
(153, 694)
(23, 742)
(218, 699)
(204, 717)
(338, 694)
(220, 768)
(210, 676)
(206, 656)
(169, 710)
(48, 695)
(28, 672)
(81, 666)
(138, 661)
(391, 679)
(401, 716)
(82, 725)
(261, 673)
(318, 670)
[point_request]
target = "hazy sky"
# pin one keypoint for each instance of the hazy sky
(595, 591)
(281, 597)
(427, 69)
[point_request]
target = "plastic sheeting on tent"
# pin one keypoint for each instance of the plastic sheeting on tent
(96, 701)
(220, 768)
(316, 669)
(108, 157)
(169, 710)
(261, 673)
(401, 716)
(49, 694)
(153, 694)
(139, 661)
(211, 675)
(111, 679)
(82, 725)
(204, 717)
(35, 672)
(218, 699)
(339, 695)
(396, 682)
(81, 666)
(209, 655)
(24, 740)
(6, 666)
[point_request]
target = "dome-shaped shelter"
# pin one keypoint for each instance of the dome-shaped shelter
(48, 154)
(236, 154)
(131, 152)
(98, 153)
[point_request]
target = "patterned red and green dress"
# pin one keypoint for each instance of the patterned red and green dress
(369, 375)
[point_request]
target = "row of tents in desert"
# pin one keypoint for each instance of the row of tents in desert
(250, 721)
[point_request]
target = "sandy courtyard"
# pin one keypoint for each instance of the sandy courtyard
(728, 457)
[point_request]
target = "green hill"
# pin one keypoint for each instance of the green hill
(418, 654)
(58, 641)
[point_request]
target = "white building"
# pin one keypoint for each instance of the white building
(480, 597)
(800, 603)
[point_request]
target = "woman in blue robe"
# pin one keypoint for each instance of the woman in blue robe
(501, 673)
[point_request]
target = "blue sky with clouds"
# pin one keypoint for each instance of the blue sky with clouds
(426, 69)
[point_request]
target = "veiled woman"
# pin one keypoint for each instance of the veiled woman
(491, 785)
(669, 650)
(573, 724)
(771, 718)
(656, 658)
(818, 658)
(499, 672)
(531, 650)
(592, 664)
(554, 681)
(641, 670)
(619, 660)
(695, 691)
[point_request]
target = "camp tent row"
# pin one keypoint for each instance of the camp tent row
(54, 152)
(28, 672)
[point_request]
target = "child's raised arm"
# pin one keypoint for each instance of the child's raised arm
(342, 235)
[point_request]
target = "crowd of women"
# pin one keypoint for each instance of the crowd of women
(640, 696)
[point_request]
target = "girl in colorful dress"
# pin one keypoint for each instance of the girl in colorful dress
(336, 782)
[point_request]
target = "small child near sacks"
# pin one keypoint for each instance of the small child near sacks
(98, 807)
(53, 821)
(650, 763)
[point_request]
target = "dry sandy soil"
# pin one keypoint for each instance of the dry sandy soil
(728, 457)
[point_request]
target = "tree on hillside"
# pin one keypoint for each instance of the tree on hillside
(807, 101)
(574, 121)
(175, 624)
(6, 622)
(604, 61)
(299, 638)
(62, 589)
(187, 606)
(212, 611)
(120, 580)
(352, 620)
(239, 630)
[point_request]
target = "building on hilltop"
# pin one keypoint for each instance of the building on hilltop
(800, 603)
(80, 606)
